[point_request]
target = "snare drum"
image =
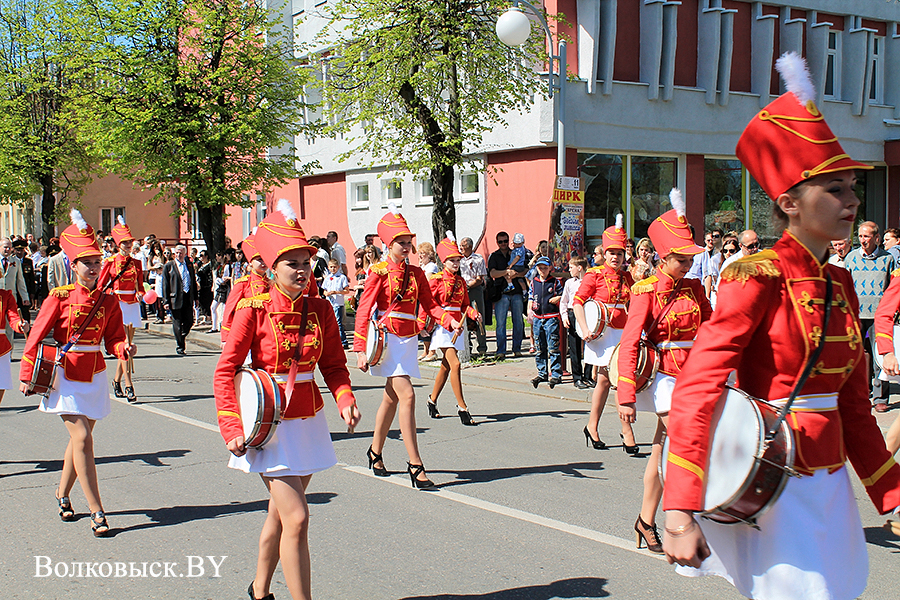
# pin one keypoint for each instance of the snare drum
(43, 377)
(746, 474)
(596, 315)
(261, 404)
(647, 366)
(374, 343)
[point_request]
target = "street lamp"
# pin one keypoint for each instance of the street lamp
(513, 28)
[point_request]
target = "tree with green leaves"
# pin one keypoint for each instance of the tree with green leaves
(199, 99)
(40, 154)
(417, 83)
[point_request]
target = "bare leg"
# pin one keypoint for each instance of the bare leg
(1, 395)
(289, 496)
(627, 434)
(892, 438)
(598, 400)
(269, 540)
(440, 379)
(383, 419)
(124, 364)
(68, 476)
(82, 445)
(653, 489)
(452, 359)
(120, 370)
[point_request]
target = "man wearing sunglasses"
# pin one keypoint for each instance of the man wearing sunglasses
(749, 245)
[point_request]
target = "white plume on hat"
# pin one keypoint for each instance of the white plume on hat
(285, 208)
(620, 221)
(393, 208)
(795, 74)
(450, 236)
(121, 220)
(677, 200)
(77, 220)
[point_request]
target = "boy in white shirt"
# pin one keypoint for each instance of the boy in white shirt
(334, 286)
(577, 265)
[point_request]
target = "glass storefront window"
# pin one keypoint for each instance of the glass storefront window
(652, 178)
(724, 205)
(762, 221)
(603, 184)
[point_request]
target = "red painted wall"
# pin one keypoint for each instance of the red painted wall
(627, 65)
(143, 219)
(323, 207)
(569, 10)
(520, 200)
(879, 26)
(695, 193)
(686, 50)
(740, 59)
(837, 22)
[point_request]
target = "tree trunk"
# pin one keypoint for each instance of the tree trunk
(443, 214)
(48, 207)
(211, 221)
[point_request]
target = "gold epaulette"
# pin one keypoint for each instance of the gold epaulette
(754, 265)
(111, 257)
(895, 272)
(256, 301)
(379, 268)
(62, 291)
(438, 275)
(240, 279)
(595, 269)
(644, 285)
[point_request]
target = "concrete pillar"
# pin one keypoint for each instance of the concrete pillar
(762, 53)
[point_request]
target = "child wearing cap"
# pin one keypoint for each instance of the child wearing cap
(518, 260)
(543, 314)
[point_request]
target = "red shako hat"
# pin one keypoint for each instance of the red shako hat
(279, 232)
(392, 225)
(78, 240)
(789, 141)
(614, 237)
(248, 246)
(121, 232)
(670, 232)
(448, 248)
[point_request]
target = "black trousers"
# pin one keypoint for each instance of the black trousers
(576, 351)
(878, 390)
(182, 321)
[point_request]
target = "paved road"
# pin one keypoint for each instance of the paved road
(524, 510)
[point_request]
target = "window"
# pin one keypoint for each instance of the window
(392, 192)
(652, 178)
(469, 187)
(604, 187)
(876, 90)
(359, 195)
(426, 192)
(109, 217)
(833, 66)
(261, 208)
(724, 198)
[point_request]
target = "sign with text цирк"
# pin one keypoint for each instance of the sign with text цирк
(566, 222)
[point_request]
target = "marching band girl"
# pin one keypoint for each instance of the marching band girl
(127, 288)
(769, 322)
(667, 309)
(9, 312)
(609, 284)
(79, 396)
(450, 291)
(392, 291)
(268, 326)
(885, 323)
(254, 283)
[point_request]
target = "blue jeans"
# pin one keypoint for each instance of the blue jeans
(506, 303)
(546, 336)
(339, 315)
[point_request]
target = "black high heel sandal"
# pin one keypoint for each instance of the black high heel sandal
(117, 389)
(589, 441)
(66, 512)
(374, 458)
(414, 471)
(129, 394)
(99, 525)
(649, 535)
(465, 417)
(632, 450)
(432, 409)
(268, 596)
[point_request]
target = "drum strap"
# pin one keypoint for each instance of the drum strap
(399, 297)
(813, 357)
(292, 374)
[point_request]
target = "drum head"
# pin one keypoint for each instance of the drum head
(371, 339)
(249, 393)
(614, 367)
(736, 442)
(592, 315)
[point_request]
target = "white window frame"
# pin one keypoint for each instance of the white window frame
(261, 208)
(876, 89)
(386, 185)
(463, 197)
(355, 187)
(423, 198)
(114, 212)
(835, 55)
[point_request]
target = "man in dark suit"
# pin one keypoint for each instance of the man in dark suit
(28, 274)
(179, 294)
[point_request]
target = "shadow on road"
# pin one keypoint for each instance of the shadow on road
(153, 459)
(504, 417)
(879, 536)
(490, 475)
(579, 587)
(177, 515)
(18, 410)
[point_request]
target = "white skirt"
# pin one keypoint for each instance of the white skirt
(443, 338)
(131, 314)
(810, 545)
(78, 397)
(298, 447)
(400, 357)
(6, 380)
(598, 352)
(658, 397)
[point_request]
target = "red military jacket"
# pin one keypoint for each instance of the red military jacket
(63, 313)
(245, 287)
(268, 327)
(884, 315)
(382, 285)
(611, 287)
(768, 319)
(445, 282)
(130, 284)
(9, 311)
(680, 323)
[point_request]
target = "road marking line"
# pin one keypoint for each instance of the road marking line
(171, 415)
(521, 515)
